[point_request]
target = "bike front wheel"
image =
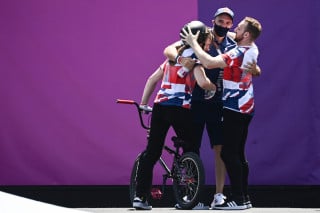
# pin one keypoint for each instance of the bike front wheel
(188, 180)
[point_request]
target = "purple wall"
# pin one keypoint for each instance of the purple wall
(64, 63)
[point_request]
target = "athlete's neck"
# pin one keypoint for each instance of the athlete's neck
(245, 43)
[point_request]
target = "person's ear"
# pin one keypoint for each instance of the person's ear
(246, 34)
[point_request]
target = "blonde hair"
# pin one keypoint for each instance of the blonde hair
(253, 27)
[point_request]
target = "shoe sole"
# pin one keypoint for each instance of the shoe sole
(201, 208)
(194, 208)
(231, 208)
(140, 207)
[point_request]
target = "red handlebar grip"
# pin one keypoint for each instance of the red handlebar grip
(122, 101)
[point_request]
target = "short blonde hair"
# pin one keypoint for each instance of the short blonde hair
(253, 27)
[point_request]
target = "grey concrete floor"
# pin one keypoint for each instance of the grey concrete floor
(14, 204)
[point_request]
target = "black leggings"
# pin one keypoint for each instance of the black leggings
(235, 131)
(163, 117)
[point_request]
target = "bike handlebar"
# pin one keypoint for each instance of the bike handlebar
(124, 101)
(141, 109)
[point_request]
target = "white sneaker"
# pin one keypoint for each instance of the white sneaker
(247, 201)
(199, 206)
(139, 204)
(218, 199)
(231, 205)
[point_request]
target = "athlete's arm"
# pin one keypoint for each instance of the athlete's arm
(253, 68)
(171, 51)
(206, 60)
(202, 80)
(151, 85)
(249, 63)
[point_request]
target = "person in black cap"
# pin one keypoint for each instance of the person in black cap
(207, 112)
(238, 105)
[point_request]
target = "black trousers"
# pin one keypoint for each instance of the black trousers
(163, 117)
(235, 131)
(207, 115)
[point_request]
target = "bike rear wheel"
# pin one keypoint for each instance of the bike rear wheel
(133, 179)
(188, 180)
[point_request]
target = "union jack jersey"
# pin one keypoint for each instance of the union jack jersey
(237, 84)
(175, 91)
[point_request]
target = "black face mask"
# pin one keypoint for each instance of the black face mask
(221, 31)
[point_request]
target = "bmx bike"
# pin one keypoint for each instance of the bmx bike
(186, 172)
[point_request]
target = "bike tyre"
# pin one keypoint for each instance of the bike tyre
(133, 181)
(188, 180)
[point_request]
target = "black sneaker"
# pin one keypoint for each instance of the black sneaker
(140, 204)
(247, 201)
(232, 204)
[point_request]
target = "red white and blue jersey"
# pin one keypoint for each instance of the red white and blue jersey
(237, 84)
(175, 91)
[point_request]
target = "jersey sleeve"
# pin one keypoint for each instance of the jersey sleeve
(250, 56)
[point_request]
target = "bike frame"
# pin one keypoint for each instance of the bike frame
(164, 165)
(186, 185)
